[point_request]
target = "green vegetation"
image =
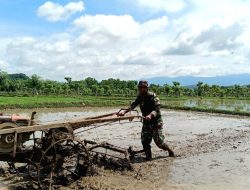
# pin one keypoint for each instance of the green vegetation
(20, 91)
(53, 102)
(21, 85)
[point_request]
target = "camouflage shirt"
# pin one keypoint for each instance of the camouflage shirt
(149, 104)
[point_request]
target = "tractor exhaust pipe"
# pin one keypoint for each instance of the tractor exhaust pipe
(32, 118)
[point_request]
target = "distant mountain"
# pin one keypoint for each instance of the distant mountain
(227, 80)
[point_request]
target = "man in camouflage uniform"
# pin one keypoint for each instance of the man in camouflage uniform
(152, 123)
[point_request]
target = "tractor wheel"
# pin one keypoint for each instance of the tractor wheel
(62, 162)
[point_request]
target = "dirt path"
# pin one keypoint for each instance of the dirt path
(213, 152)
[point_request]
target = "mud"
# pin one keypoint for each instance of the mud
(213, 152)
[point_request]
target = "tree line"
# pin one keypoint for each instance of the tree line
(20, 84)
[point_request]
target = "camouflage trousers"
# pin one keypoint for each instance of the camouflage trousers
(155, 132)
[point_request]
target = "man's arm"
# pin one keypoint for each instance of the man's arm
(156, 109)
(132, 106)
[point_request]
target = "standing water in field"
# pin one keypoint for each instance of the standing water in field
(215, 104)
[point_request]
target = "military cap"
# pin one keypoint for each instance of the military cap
(143, 83)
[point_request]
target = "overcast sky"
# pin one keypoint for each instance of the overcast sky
(125, 39)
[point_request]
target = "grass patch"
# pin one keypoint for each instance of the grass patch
(57, 102)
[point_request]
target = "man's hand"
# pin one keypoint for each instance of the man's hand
(120, 113)
(148, 117)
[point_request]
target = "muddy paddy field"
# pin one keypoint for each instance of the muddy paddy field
(212, 151)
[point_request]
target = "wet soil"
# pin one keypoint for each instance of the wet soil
(213, 152)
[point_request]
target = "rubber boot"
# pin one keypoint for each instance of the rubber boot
(148, 154)
(166, 148)
(171, 153)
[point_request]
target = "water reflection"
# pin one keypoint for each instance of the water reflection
(220, 104)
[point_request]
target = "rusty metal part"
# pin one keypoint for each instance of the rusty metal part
(56, 153)
(106, 146)
(74, 124)
(7, 141)
(110, 160)
(66, 158)
(70, 126)
(133, 152)
(15, 118)
(32, 119)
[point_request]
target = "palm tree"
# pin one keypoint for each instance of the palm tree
(176, 89)
(200, 88)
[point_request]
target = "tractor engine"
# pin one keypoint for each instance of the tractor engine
(13, 121)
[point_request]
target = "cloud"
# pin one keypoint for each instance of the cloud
(21, 42)
(213, 33)
(219, 38)
(194, 69)
(162, 5)
(54, 12)
(199, 38)
(214, 41)
(108, 25)
(155, 26)
(203, 14)
(3, 65)
(120, 31)
(240, 59)
(179, 49)
(58, 47)
(139, 59)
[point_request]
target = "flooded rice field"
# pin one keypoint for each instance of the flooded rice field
(213, 151)
(215, 104)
